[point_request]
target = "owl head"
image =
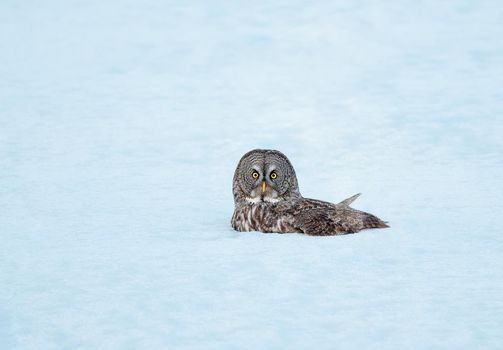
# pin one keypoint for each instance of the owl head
(264, 176)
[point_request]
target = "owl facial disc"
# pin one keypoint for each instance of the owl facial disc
(264, 176)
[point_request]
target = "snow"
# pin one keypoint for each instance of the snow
(121, 124)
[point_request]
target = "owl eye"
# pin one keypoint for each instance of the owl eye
(255, 175)
(273, 175)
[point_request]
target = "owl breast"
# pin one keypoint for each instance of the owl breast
(263, 217)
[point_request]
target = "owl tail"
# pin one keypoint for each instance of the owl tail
(372, 221)
(367, 220)
(350, 200)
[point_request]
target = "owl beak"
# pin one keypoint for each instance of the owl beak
(264, 186)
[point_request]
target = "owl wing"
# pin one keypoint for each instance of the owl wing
(319, 218)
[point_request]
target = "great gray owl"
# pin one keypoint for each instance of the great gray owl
(267, 199)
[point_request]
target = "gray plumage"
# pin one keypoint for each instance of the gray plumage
(267, 199)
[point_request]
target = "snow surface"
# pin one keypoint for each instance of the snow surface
(121, 123)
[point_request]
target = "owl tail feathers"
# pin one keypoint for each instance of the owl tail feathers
(367, 220)
(371, 221)
(350, 200)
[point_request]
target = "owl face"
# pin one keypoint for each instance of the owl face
(265, 176)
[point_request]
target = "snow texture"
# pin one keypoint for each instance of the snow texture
(121, 123)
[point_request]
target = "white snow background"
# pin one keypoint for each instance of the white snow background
(121, 123)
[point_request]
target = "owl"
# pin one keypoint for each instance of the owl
(267, 199)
